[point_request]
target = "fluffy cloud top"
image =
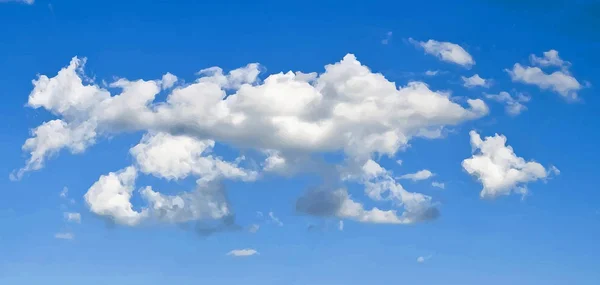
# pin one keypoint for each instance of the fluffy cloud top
(289, 119)
(475, 81)
(446, 51)
(561, 81)
(499, 169)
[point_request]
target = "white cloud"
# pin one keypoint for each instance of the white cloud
(446, 51)
(475, 81)
(422, 259)
(432, 72)
(64, 193)
(341, 225)
(514, 105)
(110, 197)
(561, 82)
(438, 185)
(242, 252)
(499, 169)
(399, 161)
(550, 58)
(168, 80)
(175, 157)
(419, 175)
(387, 39)
(72, 217)
(290, 118)
(67, 236)
(275, 219)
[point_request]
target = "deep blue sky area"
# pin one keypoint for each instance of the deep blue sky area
(548, 237)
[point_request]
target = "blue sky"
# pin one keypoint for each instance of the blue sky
(308, 159)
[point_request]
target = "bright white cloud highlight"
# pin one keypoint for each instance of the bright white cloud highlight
(550, 58)
(499, 169)
(513, 105)
(475, 81)
(446, 51)
(242, 252)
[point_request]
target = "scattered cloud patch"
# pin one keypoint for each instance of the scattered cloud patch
(561, 81)
(432, 72)
(438, 185)
(72, 217)
(475, 81)
(28, 2)
(423, 259)
(387, 39)
(253, 228)
(67, 236)
(242, 252)
(419, 175)
(513, 105)
(499, 169)
(341, 225)
(446, 51)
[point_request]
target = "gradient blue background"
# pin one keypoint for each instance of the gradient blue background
(549, 238)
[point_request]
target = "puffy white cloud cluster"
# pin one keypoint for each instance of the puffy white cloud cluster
(446, 51)
(499, 169)
(292, 118)
(560, 81)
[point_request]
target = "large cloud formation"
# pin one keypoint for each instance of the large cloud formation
(290, 119)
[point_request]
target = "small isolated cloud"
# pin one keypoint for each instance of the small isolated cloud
(432, 72)
(275, 219)
(399, 161)
(64, 192)
(475, 81)
(561, 81)
(499, 169)
(387, 39)
(422, 259)
(242, 252)
(514, 105)
(68, 236)
(73, 217)
(446, 51)
(419, 175)
(253, 228)
(438, 185)
(341, 226)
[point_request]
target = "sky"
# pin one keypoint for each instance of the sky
(313, 142)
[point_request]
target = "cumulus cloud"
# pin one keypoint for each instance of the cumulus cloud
(242, 252)
(475, 81)
(446, 51)
(513, 105)
(72, 217)
(289, 119)
(419, 175)
(67, 236)
(560, 81)
(499, 169)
